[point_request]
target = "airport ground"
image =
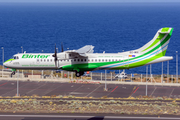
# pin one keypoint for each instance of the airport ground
(65, 97)
(88, 88)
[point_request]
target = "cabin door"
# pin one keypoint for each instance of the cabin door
(126, 61)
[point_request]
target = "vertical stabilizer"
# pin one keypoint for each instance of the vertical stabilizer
(158, 45)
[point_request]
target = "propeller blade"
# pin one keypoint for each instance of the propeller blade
(55, 56)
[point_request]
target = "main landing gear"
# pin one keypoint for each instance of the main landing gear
(78, 74)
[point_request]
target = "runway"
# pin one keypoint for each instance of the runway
(29, 88)
(85, 117)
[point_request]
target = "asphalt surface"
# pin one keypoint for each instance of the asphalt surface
(84, 117)
(29, 88)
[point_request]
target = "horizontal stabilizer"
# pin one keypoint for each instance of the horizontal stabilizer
(165, 30)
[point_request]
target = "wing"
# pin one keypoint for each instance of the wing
(82, 51)
(86, 49)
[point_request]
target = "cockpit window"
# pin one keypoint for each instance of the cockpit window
(15, 57)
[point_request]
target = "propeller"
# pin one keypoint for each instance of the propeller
(55, 56)
(55, 53)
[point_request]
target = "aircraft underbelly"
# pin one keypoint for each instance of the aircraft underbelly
(80, 67)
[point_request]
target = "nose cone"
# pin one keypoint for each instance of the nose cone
(8, 62)
(4, 64)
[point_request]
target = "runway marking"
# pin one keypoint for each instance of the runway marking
(136, 90)
(132, 91)
(92, 91)
(153, 91)
(50, 90)
(171, 92)
(76, 89)
(3, 84)
(35, 88)
(114, 89)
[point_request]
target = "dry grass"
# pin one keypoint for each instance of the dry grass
(116, 106)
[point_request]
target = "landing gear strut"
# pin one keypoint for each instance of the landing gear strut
(13, 73)
(78, 74)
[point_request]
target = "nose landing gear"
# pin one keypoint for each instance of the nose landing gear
(13, 73)
(80, 73)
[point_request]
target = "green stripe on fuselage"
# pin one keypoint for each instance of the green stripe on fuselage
(141, 63)
(87, 66)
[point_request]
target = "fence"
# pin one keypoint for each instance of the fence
(47, 74)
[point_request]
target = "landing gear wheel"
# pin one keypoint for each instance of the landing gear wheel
(78, 74)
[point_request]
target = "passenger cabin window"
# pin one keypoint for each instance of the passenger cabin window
(47, 60)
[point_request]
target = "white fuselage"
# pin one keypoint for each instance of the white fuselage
(46, 61)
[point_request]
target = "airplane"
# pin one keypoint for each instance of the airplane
(83, 59)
